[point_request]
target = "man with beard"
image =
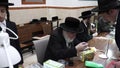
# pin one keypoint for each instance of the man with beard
(63, 43)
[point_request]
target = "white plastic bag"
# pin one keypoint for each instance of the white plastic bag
(37, 65)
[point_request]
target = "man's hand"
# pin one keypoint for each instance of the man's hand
(81, 46)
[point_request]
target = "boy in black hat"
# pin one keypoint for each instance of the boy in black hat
(86, 24)
(63, 43)
(11, 25)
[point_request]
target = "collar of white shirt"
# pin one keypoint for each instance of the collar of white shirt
(85, 23)
(3, 25)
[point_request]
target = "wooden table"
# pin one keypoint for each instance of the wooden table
(100, 43)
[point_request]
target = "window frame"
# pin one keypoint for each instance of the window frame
(26, 2)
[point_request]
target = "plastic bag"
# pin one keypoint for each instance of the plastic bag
(37, 65)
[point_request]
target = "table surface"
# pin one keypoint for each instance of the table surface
(105, 44)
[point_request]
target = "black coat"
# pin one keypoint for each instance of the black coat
(84, 36)
(14, 43)
(117, 32)
(57, 48)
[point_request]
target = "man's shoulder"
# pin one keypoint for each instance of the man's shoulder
(10, 22)
(57, 31)
(82, 23)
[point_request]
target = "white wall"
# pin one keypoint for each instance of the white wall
(22, 16)
(62, 3)
(26, 15)
(70, 3)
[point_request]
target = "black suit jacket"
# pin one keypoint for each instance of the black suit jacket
(84, 36)
(117, 32)
(14, 43)
(57, 48)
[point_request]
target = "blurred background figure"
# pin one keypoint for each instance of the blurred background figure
(87, 26)
(103, 27)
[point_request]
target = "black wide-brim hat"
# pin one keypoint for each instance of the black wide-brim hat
(5, 3)
(86, 14)
(72, 25)
(104, 5)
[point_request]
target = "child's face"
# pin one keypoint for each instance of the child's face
(2, 13)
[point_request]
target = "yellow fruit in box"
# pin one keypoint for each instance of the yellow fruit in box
(88, 54)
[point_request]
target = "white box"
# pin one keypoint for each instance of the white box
(53, 64)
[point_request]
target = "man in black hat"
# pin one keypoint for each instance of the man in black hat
(11, 25)
(86, 24)
(63, 43)
(109, 10)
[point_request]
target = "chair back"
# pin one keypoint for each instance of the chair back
(40, 47)
(47, 28)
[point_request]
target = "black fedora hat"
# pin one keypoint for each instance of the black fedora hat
(54, 18)
(34, 21)
(72, 25)
(86, 14)
(104, 5)
(43, 19)
(5, 3)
